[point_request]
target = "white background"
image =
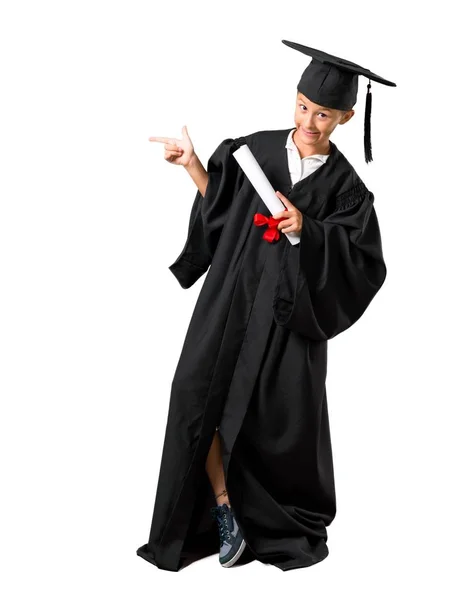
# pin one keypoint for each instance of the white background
(92, 320)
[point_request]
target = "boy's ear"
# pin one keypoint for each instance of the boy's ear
(347, 116)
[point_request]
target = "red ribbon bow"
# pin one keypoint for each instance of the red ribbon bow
(272, 233)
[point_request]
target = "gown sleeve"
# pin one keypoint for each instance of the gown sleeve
(327, 281)
(207, 217)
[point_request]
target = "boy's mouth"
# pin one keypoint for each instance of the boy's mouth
(311, 133)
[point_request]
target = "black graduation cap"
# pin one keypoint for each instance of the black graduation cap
(333, 82)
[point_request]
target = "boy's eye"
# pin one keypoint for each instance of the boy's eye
(321, 113)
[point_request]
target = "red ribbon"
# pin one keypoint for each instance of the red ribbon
(272, 233)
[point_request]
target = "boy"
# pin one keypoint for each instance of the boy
(248, 421)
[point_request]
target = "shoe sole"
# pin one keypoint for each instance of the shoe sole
(236, 556)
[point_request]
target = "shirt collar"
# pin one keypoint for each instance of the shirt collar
(292, 146)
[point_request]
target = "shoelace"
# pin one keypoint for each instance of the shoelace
(223, 526)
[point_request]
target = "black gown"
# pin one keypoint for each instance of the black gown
(254, 358)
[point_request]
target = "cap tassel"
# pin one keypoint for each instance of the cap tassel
(367, 136)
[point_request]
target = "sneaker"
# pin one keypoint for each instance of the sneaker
(231, 542)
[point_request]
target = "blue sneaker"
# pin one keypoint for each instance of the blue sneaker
(231, 542)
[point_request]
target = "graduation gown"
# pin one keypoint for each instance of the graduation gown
(254, 358)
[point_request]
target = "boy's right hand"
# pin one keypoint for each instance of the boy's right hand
(177, 152)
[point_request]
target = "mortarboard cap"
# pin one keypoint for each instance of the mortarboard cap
(333, 82)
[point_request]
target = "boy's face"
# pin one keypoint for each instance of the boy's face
(311, 117)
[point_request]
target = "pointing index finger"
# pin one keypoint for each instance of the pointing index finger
(164, 140)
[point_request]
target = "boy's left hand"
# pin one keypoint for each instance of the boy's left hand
(294, 218)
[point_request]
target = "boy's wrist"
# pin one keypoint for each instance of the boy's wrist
(193, 163)
(198, 173)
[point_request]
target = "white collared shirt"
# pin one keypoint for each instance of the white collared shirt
(299, 168)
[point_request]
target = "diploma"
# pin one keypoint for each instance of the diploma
(263, 187)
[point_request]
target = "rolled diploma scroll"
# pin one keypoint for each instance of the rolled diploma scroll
(263, 187)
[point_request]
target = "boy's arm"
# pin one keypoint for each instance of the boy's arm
(208, 213)
(327, 281)
(198, 173)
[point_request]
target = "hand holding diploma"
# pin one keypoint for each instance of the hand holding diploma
(291, 226)
(294, 218)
